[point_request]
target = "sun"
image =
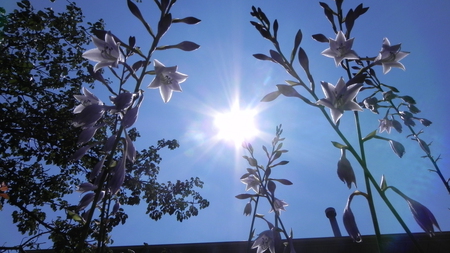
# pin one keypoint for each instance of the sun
(236, 125)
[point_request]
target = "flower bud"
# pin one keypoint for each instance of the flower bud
(271, 186)
(89, 116)
(425, 122)
(371, 104)
(350, 224)
(423, 145)
(118, 177)
(85, 201)
(115, 208)
(397, 125)
(345, 171)
(80, 153)
(389, 95)
(413, 109)
(397, 147)
(122, 101)
(423, 216)
(248, 209)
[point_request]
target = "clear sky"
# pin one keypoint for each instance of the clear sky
(224, 72)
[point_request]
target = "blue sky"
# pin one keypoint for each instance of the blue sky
(223, 72)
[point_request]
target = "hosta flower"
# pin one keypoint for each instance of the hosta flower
(252, 183)
(167, 79)
(248, 209)
(397, 147)
(118, 176)
(340, 49)
(88, 98)
(423, 216)
(106, 54)
(350, 224)
(85, 187)
(385, 125)
(390, 56)
(339, 98)
(85, 201)
(265, 241)
(278, 205)
(345, 171)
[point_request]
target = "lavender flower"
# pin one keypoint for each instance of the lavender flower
(339, 98)
(278, 205)
(340, 49)
(167, 79)
(350, 224)
(264, 241)
(390, 56)
(106, 54)
(252, 183)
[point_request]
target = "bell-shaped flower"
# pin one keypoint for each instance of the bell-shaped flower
(265, 241)
(87, 134)
(85, 187)
(96, 170)
(390, 56)
(385, 125)
(106, 54)
(423, 216)
(131, 151)
(350, 224)
(89, 116)
(345, 171)
(123, 101)
(339, 98)
(85, 201)
(167, 79)
(88, 98)
(252, 182)
(371, 104)
(80, 153)
(115, 208)
(109, 143)
(278, 205)
(340, 49)
(118, 176)
(397, 147)
(131, 115)
(248, 209)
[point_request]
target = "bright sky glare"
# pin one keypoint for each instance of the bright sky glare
(236, 125)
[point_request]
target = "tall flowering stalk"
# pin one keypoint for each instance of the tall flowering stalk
(260, 180)
(108, 177)
(347, 95)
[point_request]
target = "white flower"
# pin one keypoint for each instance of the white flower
(340, 49)
(339, 98)
(106, 54)
(252, 183)
(390, 56)
(279, 205)
(264, 241)
(167, 79)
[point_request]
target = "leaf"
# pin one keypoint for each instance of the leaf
(328, 13)
(392, 88)
(164, 24)
(271, 96)
(338, 145)
(281, 163)
(74, 216)
(4, 195)
(357, 79)
(320, 38)
(185, 46)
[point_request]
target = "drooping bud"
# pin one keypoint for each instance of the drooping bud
(371, 104)
(350, 224)
(345, 171)
(131, 151)
(248, 209)
(109, 143)
(271, 186)
(389, 95)
(423, 216)
(397, 125)
(425, 122)
(397, 147)
(87, 134)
